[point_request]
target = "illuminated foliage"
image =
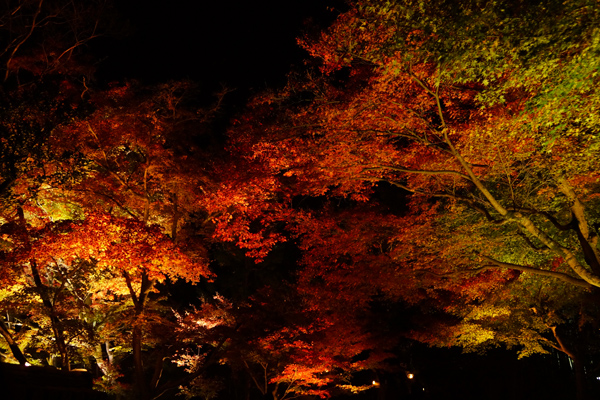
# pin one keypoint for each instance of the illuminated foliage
(405, 117)
(446, 161)
(484, 118)
(93, 284)
(288, 349)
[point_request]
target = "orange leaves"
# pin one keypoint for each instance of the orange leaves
(117, 245)
(245, 207)
(356, 34)
(133, 157)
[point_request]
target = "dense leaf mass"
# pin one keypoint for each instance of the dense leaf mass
(431, 175)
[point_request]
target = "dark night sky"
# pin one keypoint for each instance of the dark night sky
(244, 44)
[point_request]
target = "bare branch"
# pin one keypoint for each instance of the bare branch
(561, 345)
(18, 45)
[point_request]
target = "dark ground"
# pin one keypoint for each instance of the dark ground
(442, 374)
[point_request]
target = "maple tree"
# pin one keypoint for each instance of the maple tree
(481, 127)
(82, 280)
(46, 67)
(89, 291)
(495, 158)
(88, 272)
(288, 349)
(414, 123)
(131, 154)
(102, 169)
(476, 134)
(41, 89)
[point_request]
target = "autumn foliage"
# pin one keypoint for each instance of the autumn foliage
(448, 175)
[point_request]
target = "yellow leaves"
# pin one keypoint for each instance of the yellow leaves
(488, 311)
(357, 389)
(457, 208)
(9, 291)
(472, 335)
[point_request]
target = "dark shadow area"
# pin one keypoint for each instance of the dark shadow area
(45, 383)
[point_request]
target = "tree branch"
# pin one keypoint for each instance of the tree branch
(14, 347)
(478, 208)
(553, 274)
(561, 344)
(258, 386)
(187, 379)
(530, 242)
(16, 48)
(418, 171)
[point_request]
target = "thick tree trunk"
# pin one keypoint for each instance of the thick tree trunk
(580, 380)
(578, 365)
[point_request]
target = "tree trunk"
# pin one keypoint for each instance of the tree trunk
(580, 380)
(139, 302)
(578, 365)
(54, 320)
(43, 292)
(175, 220)
(16, 351)
(136, 343)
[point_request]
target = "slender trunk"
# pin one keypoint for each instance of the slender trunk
(274, 392)
(136, 343)
(262, 388)
(175, 220)
(158, 370)
(139, 302)
(16, 351)
(54, 320)
(4, 331)
(109, 353)
(46, 301)
(99, 357)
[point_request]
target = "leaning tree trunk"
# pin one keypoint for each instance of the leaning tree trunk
(55, 322)
(14, 348)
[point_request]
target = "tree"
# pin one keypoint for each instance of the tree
(94, 207)
(414, 124)
(481, 126)
(418, 123)
(288, 348)
(132, 155)
(82, 270)
(86, 176)
(44, 82)
(45, 74)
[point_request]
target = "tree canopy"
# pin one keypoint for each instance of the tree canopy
(437, 160)
(482, 115)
